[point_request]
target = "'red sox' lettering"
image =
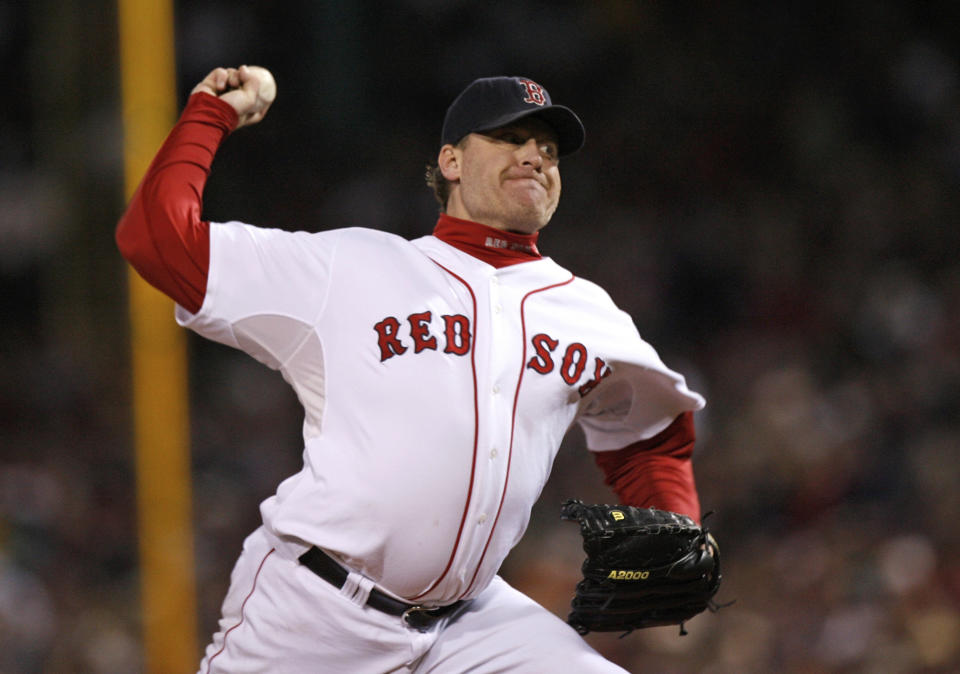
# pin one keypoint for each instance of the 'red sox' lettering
(457, 340)
(456, 333)
(572, 364)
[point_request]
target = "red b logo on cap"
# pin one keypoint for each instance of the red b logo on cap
(535, 93)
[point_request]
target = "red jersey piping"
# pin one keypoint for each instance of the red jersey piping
(513, 422)
(476, 434)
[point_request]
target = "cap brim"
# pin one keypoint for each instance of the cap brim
(563, 120)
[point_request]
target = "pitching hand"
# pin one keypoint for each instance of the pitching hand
(249, 89)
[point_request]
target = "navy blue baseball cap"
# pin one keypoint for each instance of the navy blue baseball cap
(491, 102)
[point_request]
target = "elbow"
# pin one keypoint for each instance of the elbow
(136, 231)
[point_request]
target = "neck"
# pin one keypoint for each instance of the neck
(493, 246)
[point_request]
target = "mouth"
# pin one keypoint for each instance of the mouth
(527, 178)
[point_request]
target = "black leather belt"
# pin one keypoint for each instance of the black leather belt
(418, 617)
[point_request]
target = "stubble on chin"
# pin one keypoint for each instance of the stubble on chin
(529, 219)
(529, 215)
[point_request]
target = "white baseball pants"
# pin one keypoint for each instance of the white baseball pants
(279, 617)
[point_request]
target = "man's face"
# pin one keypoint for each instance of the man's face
(509, 178)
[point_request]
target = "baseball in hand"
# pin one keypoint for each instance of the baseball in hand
(252, 99)
(249, 89)
(267, 91)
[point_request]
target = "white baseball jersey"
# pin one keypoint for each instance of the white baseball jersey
(436, 389)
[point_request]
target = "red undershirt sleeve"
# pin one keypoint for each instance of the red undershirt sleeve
(161, 234)
(657, 472)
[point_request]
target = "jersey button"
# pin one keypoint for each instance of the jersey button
(496, 388)
(482, 518)
(493, 453)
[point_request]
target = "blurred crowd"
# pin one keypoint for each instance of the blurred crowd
(771, 192)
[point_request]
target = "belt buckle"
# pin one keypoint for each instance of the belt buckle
(419, 617)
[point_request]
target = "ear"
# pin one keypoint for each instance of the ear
(449, 162)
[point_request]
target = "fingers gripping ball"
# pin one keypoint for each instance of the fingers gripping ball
(257, 92)
(266, 85)
(249, 89)
(644, 568)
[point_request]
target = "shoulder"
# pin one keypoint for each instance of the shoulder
(593, 291)
(346, 236)
(234, 227)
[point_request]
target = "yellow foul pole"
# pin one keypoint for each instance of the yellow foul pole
(159, 363)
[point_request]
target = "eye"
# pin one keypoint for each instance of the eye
(550, 150)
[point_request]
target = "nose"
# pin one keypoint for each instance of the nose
(529, 153)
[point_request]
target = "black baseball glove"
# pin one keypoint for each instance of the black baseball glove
(644, 568)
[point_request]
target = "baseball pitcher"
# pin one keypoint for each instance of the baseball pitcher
(438, 377)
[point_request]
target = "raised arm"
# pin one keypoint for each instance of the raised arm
(162, 233)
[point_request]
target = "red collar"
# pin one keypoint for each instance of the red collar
(493, 246)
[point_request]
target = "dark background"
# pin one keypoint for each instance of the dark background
(771, 192)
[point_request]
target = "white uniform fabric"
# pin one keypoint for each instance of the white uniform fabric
(436, 389)
(279, 617)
